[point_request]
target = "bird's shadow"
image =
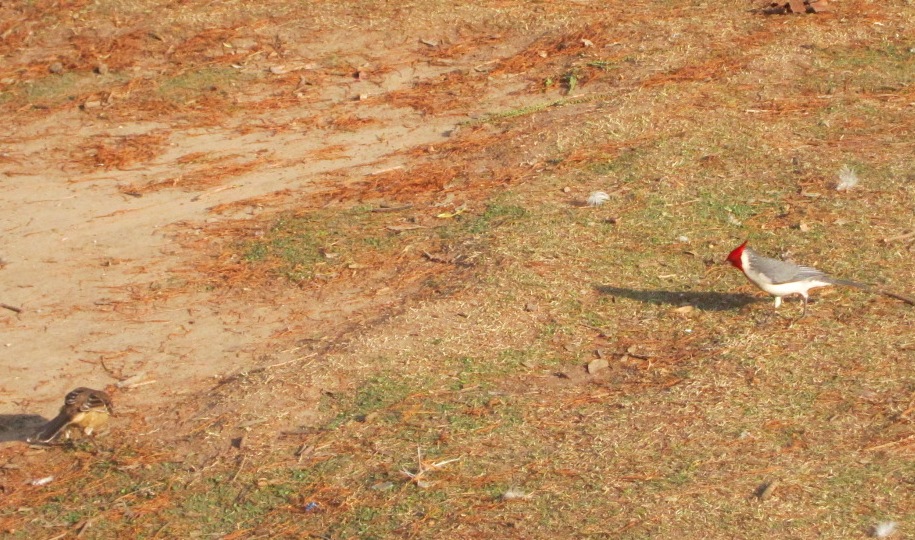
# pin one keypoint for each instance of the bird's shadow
(19, 427)
(706, 301)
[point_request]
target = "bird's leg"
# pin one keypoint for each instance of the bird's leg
(778, 301)
(802, 315)
(94, 443)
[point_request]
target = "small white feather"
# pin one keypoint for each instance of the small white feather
(884, 529)
(514, 494)
(597, 198)
(42, 481)
(848, 178)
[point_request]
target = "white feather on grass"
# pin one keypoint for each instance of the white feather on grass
(42, 481)
(597, 198)
(848, 178)
(514, 494)
(884, 529)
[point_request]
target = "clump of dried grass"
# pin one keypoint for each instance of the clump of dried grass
(125, 151)
(201, 178)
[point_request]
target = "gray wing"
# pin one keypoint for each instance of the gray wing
(784, 272)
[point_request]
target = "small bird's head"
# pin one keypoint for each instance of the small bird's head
(735, 256)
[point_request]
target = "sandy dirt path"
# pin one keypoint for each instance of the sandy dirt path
(90, 254)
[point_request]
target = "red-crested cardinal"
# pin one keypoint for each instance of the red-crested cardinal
(781, 278)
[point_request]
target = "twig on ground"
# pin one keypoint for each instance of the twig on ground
(907, 299)
(238, 470)
(905, 236)
(11, 308)
(382, 171)
(271, 366)
(889, 444)
(392, 208)
(423, 469)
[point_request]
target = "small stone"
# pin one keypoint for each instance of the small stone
(102, 68)
(56, 67)
(567, 189)
(596, 365)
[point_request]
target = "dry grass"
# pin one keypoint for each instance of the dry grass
(453, 400)
(201, 178)
(124, 152)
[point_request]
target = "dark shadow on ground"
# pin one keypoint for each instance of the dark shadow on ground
(708, 301)
(17, 427)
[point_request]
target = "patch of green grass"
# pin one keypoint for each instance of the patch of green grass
(604, 65)
(496, 214)
(57, 89)
(379, 393)
(301, 247)
(875, 67)
(54, 89)
(540, 107)
(716, 208)
(191, 83)
(624, 165)
(570, 80)
(888, 63)
(374, 397)
(237, 506)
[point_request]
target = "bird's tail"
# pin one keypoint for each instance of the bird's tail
(870, 288)
(49, 431)
(907, 299)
